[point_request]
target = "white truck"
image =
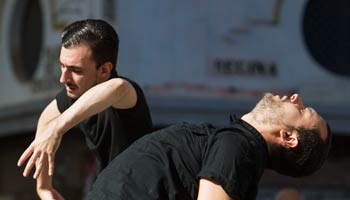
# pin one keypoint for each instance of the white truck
(195, 60)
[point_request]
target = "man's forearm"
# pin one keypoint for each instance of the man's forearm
(93, 101)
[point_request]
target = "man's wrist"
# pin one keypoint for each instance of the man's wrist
(60, 127)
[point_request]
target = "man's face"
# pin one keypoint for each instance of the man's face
(290, 111)
(78, 70)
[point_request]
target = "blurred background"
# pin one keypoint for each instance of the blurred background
(196, 60)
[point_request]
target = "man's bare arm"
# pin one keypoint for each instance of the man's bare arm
(211, 190)
(116, 92)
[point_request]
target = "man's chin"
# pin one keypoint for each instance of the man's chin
(268, 95)
(72, 95)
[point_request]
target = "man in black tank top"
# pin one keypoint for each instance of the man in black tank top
(109, 109)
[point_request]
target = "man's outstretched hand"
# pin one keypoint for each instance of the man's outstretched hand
(42, 149)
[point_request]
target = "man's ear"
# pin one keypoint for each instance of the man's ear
(104, 70)
(289, 138)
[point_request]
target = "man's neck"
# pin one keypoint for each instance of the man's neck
(263, 129)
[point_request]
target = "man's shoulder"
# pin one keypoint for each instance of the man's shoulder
(129, 80)
(134, 84)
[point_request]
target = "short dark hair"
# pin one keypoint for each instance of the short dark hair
(100, 36)
(306, 158)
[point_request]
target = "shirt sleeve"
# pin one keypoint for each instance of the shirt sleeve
(226, 162)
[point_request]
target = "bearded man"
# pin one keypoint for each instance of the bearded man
(200, 161)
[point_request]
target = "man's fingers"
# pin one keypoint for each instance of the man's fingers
(51, 164)
(39, 166)
(25, 155)
(31, 163)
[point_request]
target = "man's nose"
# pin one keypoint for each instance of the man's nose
(64, 76)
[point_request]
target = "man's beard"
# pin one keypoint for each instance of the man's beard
(268, 111)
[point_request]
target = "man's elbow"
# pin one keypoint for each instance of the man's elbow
(124, 94)
(119, 86)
